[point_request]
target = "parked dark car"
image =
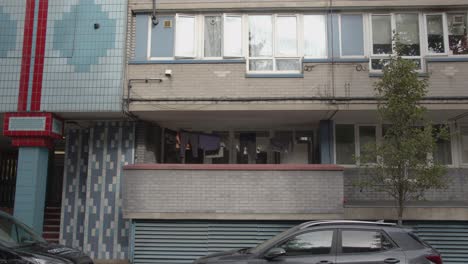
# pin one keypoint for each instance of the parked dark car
(20, 245)
(340, 242)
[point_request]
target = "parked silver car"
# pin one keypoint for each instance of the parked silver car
(340, 242)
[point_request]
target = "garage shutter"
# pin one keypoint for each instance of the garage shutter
(449, 238)
(183, 241)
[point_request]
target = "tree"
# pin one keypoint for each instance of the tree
(402, 164)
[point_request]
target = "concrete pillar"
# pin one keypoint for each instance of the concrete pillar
(326, 133)
(31, 183)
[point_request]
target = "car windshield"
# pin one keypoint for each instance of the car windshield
(16, 234)
(272, 241)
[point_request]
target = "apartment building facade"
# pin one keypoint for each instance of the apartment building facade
(285, 88)
(190, 126)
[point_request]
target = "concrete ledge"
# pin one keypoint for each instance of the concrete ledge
(228, 216)
(411, 213)
(237, 167)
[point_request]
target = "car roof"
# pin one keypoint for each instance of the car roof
(311, 224)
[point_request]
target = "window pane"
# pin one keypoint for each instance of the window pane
(345, 147)
(367, 140)
(260, 36)
(233, 36)
(286, 35)
(288, 65)
(352, 35)
(313, 243)
(407, 27)
(381, 34)
(261, 65)
(315, 36)
(364, 241)
(443, 151)
(435, 34)
(185, 36)
(213, 36)
(464, 135)
(457, 34)
(379, 64)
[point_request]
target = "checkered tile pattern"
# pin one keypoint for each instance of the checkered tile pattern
(91, 207)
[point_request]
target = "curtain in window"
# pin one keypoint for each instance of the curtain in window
(213, 36)
(315, 36)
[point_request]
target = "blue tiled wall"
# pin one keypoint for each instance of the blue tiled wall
(91, 207)
(11, 44)
(84, 62)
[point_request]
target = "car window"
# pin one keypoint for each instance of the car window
(362, 241)
(311, 243)
(13, 234)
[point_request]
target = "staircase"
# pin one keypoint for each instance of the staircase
(51, 231)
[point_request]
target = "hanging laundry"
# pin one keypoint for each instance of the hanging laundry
(209, 142)
(189, 138)
(248, 141)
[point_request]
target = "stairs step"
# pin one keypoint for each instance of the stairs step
(52, 222)
(48, 235)
(51, 228)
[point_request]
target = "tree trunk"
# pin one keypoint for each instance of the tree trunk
(401, 209)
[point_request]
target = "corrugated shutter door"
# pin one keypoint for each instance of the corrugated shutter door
(449, 238)
(183, 241)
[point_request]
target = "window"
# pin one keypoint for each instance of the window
(367, 141)
(363, 241)
(185, 36)
(457, 33)
(213, 36)
(435, 34)
(443, 151)
(315, 36)
(352, 35)
(312, 243)
(345, 145)
(273, 50)
(233, 36)
(464, 144)
(406, 26)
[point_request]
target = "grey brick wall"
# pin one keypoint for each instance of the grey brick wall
(229, 80)
(250, 192)
(457, 186)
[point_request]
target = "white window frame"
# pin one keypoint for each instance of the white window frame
(365, 22)
(302, 35)
(196, 40)
(274, 44)
(460, 145)
(422, 35)
(203, 40)
(242, 17)
(445, 33)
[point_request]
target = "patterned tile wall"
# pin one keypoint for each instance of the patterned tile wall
(11, 44)
(84, 55)
(91, 208)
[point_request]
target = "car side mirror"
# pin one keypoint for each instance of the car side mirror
(274, 253)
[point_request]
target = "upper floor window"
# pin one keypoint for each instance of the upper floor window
(406, 25)
(315, 36)
(435, 29)
(273, 44)
(457, 33)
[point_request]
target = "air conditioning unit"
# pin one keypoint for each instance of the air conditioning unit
(458, 20)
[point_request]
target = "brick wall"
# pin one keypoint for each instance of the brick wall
(232, 192)
(229, 80)
(457, 184)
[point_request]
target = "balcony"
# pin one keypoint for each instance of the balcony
(232, 191)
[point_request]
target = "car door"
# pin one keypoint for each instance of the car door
(310, 247)
(367, 246)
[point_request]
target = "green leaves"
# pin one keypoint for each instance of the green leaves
(405, 168)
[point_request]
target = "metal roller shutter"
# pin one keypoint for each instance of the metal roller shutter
(184, 241)
(449, 238)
